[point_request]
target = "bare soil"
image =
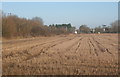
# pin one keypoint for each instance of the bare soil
(75, 54)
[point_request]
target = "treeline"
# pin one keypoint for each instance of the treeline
(14, 26)
(113, 28)
(68, 28)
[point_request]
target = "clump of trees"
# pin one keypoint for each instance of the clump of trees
(84, 29)
(14, 26)
(113, 28)
(108, 29)
(63, 28)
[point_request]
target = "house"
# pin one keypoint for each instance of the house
(75, 32)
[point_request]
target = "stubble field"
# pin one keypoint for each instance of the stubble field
(80, 54)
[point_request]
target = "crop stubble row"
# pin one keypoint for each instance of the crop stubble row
(85, 54)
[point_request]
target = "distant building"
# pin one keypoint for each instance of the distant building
(93, 30)
(75, 32)
(98, 32)
(104, 29)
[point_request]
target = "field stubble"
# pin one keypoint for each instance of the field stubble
(82, 54)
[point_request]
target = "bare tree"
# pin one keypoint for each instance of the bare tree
(114, 26)
(84, 29)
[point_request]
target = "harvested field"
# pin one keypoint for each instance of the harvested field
(80, 54)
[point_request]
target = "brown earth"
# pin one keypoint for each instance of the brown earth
(82, 54)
